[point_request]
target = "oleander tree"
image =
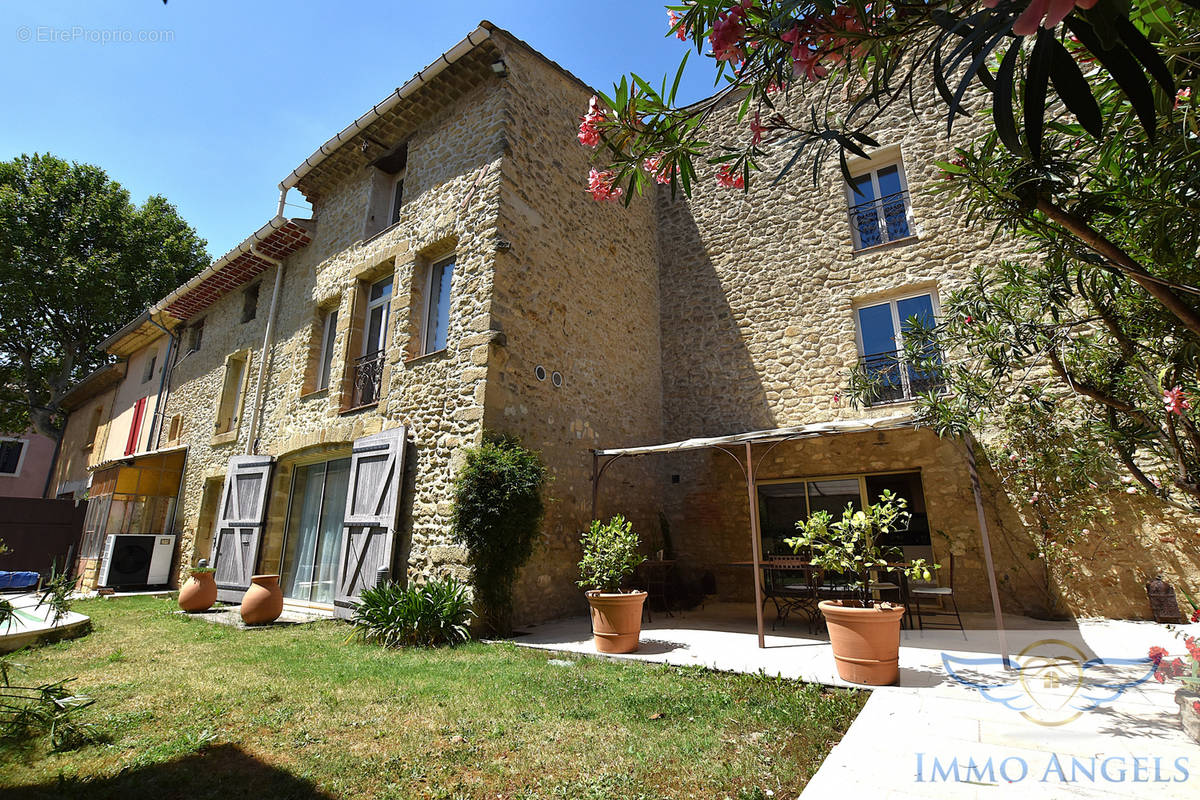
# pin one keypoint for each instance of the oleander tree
(1088, 154)
(77, 261)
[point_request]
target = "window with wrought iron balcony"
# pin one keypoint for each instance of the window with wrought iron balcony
(887, 370)
(880, 207)
(367, 369)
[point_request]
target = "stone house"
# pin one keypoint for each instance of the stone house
(455, 278)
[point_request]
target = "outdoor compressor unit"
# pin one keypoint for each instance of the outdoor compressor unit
(137, 560)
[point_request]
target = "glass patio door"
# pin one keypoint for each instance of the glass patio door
(314, 531)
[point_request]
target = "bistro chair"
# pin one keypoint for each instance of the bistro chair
(788, 583)
(944, 604)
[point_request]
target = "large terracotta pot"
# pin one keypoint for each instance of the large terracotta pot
(263, 601)
(199, 592)
(866, 642)
(1189, 717)
(616, 620)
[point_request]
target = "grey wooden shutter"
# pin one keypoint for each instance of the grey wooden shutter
(372, 506)
(240, 524)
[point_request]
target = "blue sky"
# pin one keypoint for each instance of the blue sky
(240, 93)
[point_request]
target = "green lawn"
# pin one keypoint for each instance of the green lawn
(189, 709)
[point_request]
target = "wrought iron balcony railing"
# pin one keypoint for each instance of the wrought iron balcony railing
(881, 221)
(368, 376)
(892, 380)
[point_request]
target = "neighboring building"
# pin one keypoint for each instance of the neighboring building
(25, 463)
(325, 375)
(89, 406)
(114, 452)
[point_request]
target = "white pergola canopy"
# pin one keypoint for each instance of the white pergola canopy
(768, 436)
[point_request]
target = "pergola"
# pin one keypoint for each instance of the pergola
(744, 442)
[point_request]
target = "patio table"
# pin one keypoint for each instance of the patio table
(805, 596)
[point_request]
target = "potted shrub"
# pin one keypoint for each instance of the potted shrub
(865, 634)
(200, 590)
(610, 555)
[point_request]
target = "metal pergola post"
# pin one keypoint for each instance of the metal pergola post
(755, 544)
(985, 540)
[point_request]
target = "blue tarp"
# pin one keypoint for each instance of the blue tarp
(18, 580)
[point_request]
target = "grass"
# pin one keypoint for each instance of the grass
(191, 709)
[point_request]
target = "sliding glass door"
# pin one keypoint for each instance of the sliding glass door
(314, 531)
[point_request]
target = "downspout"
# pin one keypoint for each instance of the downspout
(268, 334)
(159, 403)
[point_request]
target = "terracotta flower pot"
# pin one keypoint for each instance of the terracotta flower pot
(1189, 717)
(616, 620)
(199, 592)
(263, 601)
(866, 642)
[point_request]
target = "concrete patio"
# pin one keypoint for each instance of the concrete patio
(935, 736)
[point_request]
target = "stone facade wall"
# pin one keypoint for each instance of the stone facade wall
(758, 307)
(450, 207)
(577, 294)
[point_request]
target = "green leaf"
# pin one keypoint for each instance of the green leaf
(1037, 78)
(1073, 88)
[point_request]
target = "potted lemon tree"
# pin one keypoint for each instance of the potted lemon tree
(864, 632)
(610, 556)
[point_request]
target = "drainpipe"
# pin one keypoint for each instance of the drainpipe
(268, 334)
(159, 408)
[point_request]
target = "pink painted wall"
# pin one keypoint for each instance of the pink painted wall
(31, 481)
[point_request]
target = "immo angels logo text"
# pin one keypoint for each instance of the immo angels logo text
(1050, 682)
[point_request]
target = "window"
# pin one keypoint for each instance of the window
(437, 309)
(784, 503)
(175, 431)
(12, 455)
(881, 331)
(397, 199)
(250, 303)
(93, 427)
(230, 407)
(197, 336)
(148, 372)
(316, 512)
(880, 211)
(368, 368)
(328, 335)
(135, 426)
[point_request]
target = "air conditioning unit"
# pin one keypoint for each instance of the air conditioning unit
(137, 559)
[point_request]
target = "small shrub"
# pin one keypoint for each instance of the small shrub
(497, 515)
(426, 615)
(610, 554)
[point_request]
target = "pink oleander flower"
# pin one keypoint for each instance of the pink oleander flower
(728, 179)
(728, 32)
(600, 184)
(1033, 498)
(1175, 401)
(589, 133)
(1044, 13)
(757, 129)
(1183, 96)
(681, 33)
(655, 167)
(1131, 490)
(1013, 456)
(805, 58)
